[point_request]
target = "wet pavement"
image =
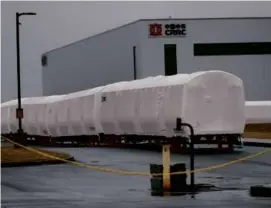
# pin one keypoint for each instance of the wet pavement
(71, 186)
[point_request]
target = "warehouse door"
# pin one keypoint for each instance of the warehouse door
(170, 56)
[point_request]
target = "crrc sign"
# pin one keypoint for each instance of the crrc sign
(167, 30)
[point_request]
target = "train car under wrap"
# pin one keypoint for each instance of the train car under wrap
(127, 115)
(5, 121)
(258, 112)
(64, 108)
(13, 121)
(41, 113)
(76, 113)
(172, 92)
(214, 103)
(89, 114)
(30, 123)
(149, 106)
(108, 106)
(51, 116)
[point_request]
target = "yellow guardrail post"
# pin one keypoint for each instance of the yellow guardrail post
(166, 167)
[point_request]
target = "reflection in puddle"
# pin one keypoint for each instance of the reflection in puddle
(199, 188)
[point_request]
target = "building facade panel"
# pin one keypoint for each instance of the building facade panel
(248, 60)
(100, 60)
(163, 47)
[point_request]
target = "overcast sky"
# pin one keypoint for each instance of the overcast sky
(60, 23)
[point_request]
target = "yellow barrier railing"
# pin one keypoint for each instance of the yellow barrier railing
(140, 173)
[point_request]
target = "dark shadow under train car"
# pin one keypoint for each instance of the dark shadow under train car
(178, 144)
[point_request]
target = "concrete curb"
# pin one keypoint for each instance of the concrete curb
(260, 191)
(257, 144)
(36, 163)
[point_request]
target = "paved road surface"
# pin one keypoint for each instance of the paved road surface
(70, 186)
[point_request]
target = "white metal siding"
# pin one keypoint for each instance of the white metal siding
(99, 60)
(108, 57)
(255, 70)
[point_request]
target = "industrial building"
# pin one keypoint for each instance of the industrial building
(151, 47)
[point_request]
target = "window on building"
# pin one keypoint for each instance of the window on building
(44, 60)
(227, 49)
(170, 56)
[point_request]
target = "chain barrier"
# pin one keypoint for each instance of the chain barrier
(139, 173)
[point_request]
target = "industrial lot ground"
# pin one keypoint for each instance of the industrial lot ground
(71, 186)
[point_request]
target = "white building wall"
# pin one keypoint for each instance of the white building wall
(255, 70)
(108, 57)
(105, 58)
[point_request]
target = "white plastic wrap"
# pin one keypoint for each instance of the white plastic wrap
(13, 121)
(211, 101)
(51, 116)
(150, 105)
(40, 110)
(90, 103)
(5, 119)
(258, 112)
(30, 123)
(214, 103)
(108, 106)
(127, 115)
(62, 109)
(171, 102)
(76, 113)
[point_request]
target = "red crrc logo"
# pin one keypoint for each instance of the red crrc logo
(155, 30)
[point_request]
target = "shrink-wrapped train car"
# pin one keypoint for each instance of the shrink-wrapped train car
(9, 111)
(212, 102)
(5, 120)
(258, 112)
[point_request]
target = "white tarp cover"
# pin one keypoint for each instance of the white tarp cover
(128, 98)
(76, 113)
(40, 110)
(89, 114)
(63, 118)
(11, 116)
(258, 112)
(214, 103)
(33, 119)
(51, 115)
(211, 101)
(173, 92)
(30, 123)
(5, 121)
(13, 121)
(107, 108)
(151, 104)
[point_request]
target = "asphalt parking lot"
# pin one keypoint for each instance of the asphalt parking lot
(67, 185)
